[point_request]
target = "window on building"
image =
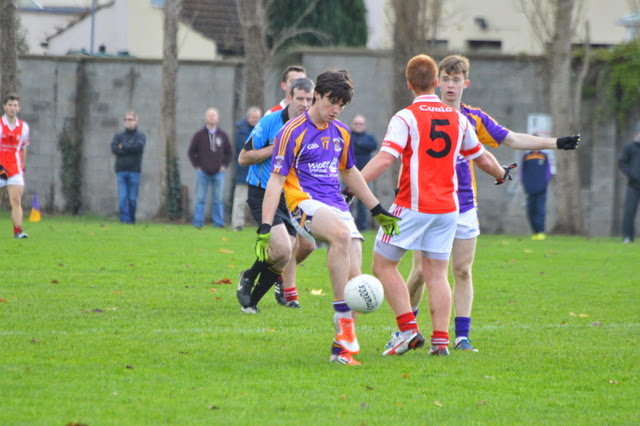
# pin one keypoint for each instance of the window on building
(484, 46)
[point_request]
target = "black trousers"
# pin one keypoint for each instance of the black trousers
(630, 210)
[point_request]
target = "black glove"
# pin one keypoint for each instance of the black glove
(347, 195)
(568, 142)
(507, 174)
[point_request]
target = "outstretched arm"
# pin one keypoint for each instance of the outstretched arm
(524, 141)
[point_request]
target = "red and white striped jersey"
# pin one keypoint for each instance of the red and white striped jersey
(429, 135)
(282, 105)
(12, 141)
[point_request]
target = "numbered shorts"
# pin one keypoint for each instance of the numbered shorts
(255, 196)
(17, 180)
(302, 217)
(468, 225)
(432, 234)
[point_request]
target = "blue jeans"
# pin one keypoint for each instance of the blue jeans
(128, 183)
(203, 181)
(362, 216)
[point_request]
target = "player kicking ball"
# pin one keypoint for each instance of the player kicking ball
(428, 135)
(311, 152)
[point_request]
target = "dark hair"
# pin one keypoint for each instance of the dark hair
(337, 84)
(421, 73)
(294, 68)
(303, 84)
(10, 97)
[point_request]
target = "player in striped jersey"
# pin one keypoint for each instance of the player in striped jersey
(453, 72)
(14, 139)
(310, 152)
(429, 136)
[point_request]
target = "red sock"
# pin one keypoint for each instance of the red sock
(291, 294)
(407, 322)
(17, 230)
(440, 338)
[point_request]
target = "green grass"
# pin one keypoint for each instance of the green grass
(556, 323)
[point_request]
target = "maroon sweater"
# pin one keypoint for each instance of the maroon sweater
(210, 152)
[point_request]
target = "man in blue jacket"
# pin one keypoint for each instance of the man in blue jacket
(536, 173)
(243, 129)
(363, 145)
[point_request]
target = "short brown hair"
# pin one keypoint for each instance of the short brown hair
(336, 84)
(10, 97)
(455, 64)
(421, 73)
(292, 68)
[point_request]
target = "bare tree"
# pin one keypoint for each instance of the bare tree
(171, 191)
(8, 48)
(553, 22)
(253, 22)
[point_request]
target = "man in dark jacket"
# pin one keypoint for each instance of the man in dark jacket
(210, 154)
(243, 129)
(363, 145)
(629, 164)
(535, 174)
(127, 147)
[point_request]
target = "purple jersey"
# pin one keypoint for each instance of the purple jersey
(489, 133)
(310, 159)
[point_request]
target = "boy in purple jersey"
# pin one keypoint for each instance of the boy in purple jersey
(310, 152)
(453, 72)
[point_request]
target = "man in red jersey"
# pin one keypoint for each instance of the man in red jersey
(14, 138)
(428, 135)
(293, 72)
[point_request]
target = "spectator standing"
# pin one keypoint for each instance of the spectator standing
(629, 164)
(14, 139)
(210, 154)
(363, 145)
(128, 146)
(535, 175)
(243, 129)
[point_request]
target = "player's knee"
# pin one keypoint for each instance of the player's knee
(462, 272)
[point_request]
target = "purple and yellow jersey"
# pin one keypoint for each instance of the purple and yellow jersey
(310, 158)
(489, 133)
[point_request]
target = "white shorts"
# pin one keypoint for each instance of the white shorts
(17, 180)
(303, 216)
(468, 225)
(430, 233)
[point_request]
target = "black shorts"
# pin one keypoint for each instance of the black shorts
(254, 200)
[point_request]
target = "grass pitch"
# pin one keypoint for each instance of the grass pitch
(103, 323)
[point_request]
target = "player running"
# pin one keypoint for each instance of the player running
(428, 135)
(310, 152)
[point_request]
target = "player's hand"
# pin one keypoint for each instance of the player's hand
(387, 221)
(347, 195)
(568, 142)
(262, 242)
(507, 174)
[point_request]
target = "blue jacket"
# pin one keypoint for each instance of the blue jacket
(535, 172)
(243, 128)
(263, 135)
(363, 145)
(127, 146)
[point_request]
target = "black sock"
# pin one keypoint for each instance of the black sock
(256, 269)
(266, 281)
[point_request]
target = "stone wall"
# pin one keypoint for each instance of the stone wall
(95, 93)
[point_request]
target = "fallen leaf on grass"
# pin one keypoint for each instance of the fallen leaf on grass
(111, 309)
(269, 330)
(231, 266)
(513, 261)
(34, 341)
(225, 238)
(438, 403)
(222, 281)
(597, 324)
(343, 396)
(489, 377)
(368, 388)
(61, 264)
(482, 402)
(364, 405)
(218, 298)
(399, 404)
(213, 407)
(316, 292)
(527, 251)
(226, 251)
(405, 375)
(117, 292)
(98, 311)
(3, 301)
(75, 424)
(54, 281)
(571, 314)
(213, 290)
(583, 316)
(613, 382)
(129, 367)
(189, 286)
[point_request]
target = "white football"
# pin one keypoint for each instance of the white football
(364, 293)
